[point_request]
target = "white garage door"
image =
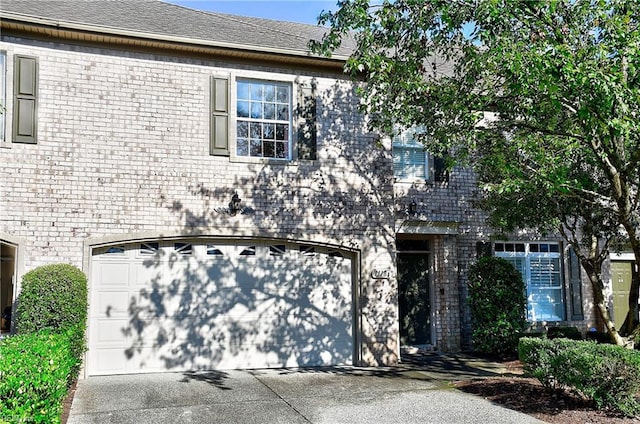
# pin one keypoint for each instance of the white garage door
(185, 305)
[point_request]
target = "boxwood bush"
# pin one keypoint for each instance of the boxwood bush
(35, 370)
(607, 374)
(52, 296)
(55, 297)
(497, 301)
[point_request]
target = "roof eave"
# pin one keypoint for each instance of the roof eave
(24, 24)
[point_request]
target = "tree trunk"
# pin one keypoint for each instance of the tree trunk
(598, 297)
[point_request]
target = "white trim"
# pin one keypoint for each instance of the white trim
(622, 256)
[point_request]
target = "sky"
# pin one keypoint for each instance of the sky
(303, 11)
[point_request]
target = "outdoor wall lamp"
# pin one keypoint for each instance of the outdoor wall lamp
(234, 205)
(413, 207)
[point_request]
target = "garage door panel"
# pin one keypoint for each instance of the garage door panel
(220, 311)
(110, 303)
(114, 274)
(109, 332)
(107, 361)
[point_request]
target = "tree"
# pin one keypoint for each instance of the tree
(541, 98)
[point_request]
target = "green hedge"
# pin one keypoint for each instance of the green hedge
(55, 297)
(35, 373)
(498, 303)
(52, 296)
(607, 374)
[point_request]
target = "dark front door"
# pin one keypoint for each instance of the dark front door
(413, 298)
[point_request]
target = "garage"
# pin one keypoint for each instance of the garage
(208, 304)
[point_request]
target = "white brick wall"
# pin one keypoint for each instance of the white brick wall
(123, 150)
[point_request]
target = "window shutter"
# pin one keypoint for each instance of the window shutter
(483, 249)
(219, 144)
(440, 171)
(25, 99)
(307, 137)
(575, 285)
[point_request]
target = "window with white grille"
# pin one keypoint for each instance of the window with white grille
(541, 268)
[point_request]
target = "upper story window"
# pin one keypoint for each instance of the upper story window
(263, 119)
(410, 159)
(257, 121)
(541, 268)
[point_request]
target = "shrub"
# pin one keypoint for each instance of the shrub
(498, 302)
(52, 296)
(35, 371)
(607, 374)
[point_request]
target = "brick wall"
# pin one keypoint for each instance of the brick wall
(123, 150)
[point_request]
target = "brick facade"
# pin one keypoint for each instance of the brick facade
(123, 154)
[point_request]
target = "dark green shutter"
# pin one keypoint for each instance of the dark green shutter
(483, 249)
(219, 144)
(440, 171)
(25, 105)
(575, 286)
(307, 138)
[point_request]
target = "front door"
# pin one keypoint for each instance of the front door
(413, 298)
(621, 274)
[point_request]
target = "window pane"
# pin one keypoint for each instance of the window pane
(256, 110)
(243, 129)
(269, 93)
(270, 111)
(255, 147)
(282, 132)
(243, 91)
(283, 112)
(243, 109)
(269, 149)
(269, 102)
(256, 130)
(283, 94)
(242, 147)
(256, 91)
(268, 131)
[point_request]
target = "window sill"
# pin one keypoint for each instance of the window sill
(411, 181)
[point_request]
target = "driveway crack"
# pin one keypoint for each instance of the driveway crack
(280, 397)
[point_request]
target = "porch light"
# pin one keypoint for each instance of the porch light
(234, 205)
(413, 207)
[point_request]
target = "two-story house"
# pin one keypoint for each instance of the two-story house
(218, 186)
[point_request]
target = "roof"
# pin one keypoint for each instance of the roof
(159, 21)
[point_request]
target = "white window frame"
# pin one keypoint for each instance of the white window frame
(537, 311)
(404, 142)
(237, 119)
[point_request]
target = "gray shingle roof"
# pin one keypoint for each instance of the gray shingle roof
(153, 17)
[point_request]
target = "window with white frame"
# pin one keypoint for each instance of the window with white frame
(263, 119)
(541, 267)
(410, 159)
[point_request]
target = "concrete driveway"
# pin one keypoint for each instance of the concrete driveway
(409, 394)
